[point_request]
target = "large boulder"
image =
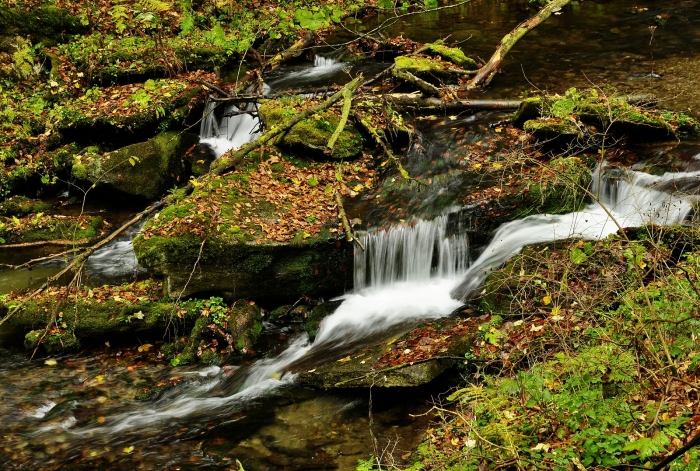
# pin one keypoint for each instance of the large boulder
(145, 170)
(267, 233)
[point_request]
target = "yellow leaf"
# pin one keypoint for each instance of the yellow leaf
(145, 347)
(546, 300)
(358, 188)
(455, 441)
(477, 165)
(128, 449)
(50, 362)
(345, 360)
(497, 165)
(498, 129)
(99, 378)
(556, 310)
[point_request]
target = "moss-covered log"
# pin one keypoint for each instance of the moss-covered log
(486, 73)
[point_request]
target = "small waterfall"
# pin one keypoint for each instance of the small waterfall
(230, 131)
(413, 252)
(327, 62)
(629, 199)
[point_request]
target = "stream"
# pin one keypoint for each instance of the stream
(85, 411)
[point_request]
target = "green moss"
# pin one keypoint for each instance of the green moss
(143, 170)
(419, 65)
(245, 324)
(452, 54)
(46, 228)
(312, 133)
(21, 206)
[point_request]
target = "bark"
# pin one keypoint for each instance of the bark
(426, 87)
(349, 233)
(486, 73)
(347, 104)
(295, 50)
(229, 162)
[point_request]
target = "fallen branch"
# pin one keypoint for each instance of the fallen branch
(349, 233)
(41, 243)
(426, 87)
(347, 103)
(80, 259)
(415, 101)
(295, 50)
(29, 263)
(486, 73)
(229, 161)
(214, 88)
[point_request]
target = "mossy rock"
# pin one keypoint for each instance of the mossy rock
(289, 314)
(19, 206)
(451, 54)
(556, 128)
(146, 170)
(432, 70)
(312, 134)
(316, 316)
(363, 368)
(93, 320)
(530, 108)
(42, 228)
(581, 114)
(271, 273)
(245, 324)
(45, 23)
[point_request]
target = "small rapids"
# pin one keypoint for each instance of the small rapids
(629, 199)
(229, 130)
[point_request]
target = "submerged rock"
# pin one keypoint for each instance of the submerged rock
(146, 170)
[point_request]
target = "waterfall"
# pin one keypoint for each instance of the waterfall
(410, 252)
(229, 131)
(627, 199)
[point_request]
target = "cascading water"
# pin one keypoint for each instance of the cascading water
(233, 129)
(633, 200)
(424, 262)
(413, 252)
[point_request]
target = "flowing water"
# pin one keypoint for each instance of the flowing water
(82, 411)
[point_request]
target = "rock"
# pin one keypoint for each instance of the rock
(94, 315)
(19, 206)
(263, 242)
(45, 23)
(583, 115)
(44, 228)
(146, 170)
(369, 367)
(312, 135)
(316, 316)
(431, 70)
(244, 324)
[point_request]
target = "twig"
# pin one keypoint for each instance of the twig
(349, 233)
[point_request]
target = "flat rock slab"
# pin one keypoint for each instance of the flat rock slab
(415, 358)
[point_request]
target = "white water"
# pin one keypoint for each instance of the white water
(412, 252)
(409, 273)
(228, 132)
(323, 67)
(631, 201)
(409, 292)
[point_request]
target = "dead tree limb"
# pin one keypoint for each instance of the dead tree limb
(31, 262)
(295, 50)
(349, 233)
(347, 104)
(417, 102)
(214, 87)
(229, 161)
(486, 73)
(424, 86)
